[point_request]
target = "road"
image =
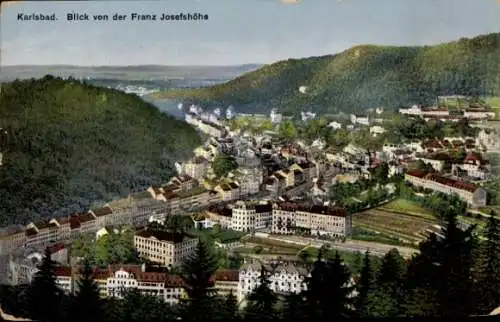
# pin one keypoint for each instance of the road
(376, 249)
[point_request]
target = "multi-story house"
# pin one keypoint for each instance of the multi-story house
(226, 282)
(228, 191)
(121, 212)
(220, 214)
(166, 248)
(11, 239)
(196, 168)
(116, 280)
(249, 180)
(103, 216)
(474, 195)
(81, 223)
(284, 279)
(289, 217)
(474, 166)
(436, 161)
(250, 216)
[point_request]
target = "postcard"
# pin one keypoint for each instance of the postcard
(245, 159)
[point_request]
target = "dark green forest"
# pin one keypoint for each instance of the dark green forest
(67, 144)
(455, 275)
(362, 77)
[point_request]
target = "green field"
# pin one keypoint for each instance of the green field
(408, 207)
(270, 246)
(494, 101)
(401, 220)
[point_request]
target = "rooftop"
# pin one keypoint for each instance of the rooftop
(313, 209)
(172, 237)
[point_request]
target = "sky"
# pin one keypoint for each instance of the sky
(236, 32)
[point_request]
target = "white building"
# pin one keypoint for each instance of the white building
(335, 125)
(166, 248)
(474, 195)
(473, 166)
(289, 217)
(275, 117)
(377, 130)
(284, 279)
(251, 216)
(115, 281)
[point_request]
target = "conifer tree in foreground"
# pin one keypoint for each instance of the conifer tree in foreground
(44, 296)
(337, 302)
(365, 285)
(261, 302)
(487, 269)
(454, 285)
(229, 308)
(87, 305)
(316, 288)
(385, 299)
(198, 271)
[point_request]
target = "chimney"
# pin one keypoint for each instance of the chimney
(143, 267)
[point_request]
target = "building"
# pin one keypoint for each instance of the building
(228, 191)
(115, 281)
(166, 248)
(221, 214)
(251, 216)
(473, 166)
(284, 278)
(226, 281)
(196, 168)
(472, 194)
(290, 217)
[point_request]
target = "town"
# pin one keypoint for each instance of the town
(268, 190)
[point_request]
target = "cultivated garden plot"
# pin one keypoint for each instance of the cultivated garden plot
(396, 224)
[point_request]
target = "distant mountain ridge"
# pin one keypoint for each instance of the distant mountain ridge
(362, 77)
(132, 72)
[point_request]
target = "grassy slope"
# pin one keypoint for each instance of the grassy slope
(70, 144)
(363, 77)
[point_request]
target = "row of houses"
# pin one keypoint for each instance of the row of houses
(447, 114)
(115, 281)
(472, 194)
(281, 218)
(180, 195)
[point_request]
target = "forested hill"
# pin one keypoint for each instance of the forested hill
(363, 77)
(68, 144)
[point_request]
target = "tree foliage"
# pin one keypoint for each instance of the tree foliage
(363, 77)
(223, 164)
(70, 144)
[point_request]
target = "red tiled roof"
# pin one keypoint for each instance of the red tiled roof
(63, 271)
(152, 277)
(417, 173)
(472, 157)
(74, 221)
(163, 236)
(84, 217)
(31, 232)
(229, 275)
(315, 209)
(174, 281)
(451, 182)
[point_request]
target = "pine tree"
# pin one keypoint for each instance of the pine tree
(487, 269)
(386, 298)
(87, 305)
(454, 286)
(365, 285)
(44, 296)
(316, 286)
(198, 271)
(442, 272)
(229, 307)
(295, 307)
(337, 302)
(261, 302)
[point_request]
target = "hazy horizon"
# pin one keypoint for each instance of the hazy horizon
(235, 33)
